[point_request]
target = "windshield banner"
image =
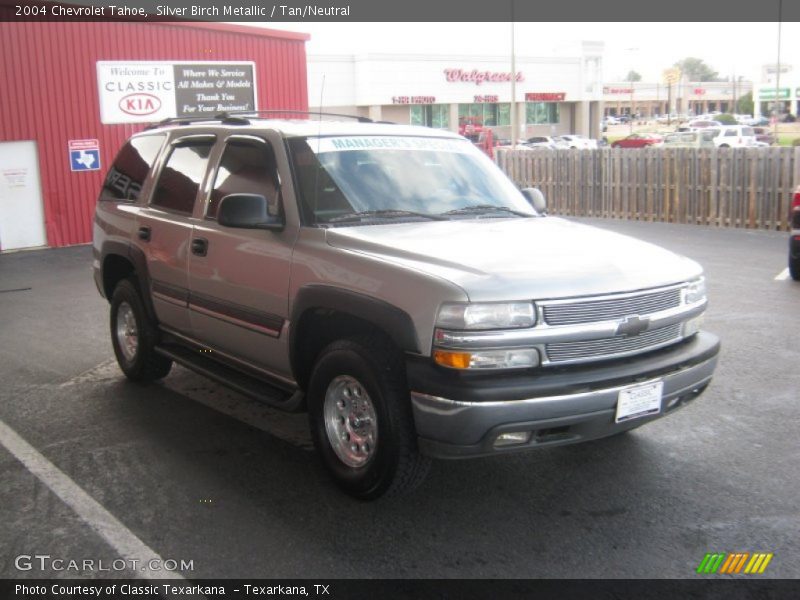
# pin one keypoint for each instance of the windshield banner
(369, 142)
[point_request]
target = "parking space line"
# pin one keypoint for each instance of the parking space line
(91, 512)
(783, 275)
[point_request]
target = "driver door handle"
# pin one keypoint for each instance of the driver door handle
(200, 246)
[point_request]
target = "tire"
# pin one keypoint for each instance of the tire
(794, 267)
(134, 336)
(369, 446)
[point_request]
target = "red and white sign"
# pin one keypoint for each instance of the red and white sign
(479, 77)
(699, 91)
(482, 99)
(545, 96)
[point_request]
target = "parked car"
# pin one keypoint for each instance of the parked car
(578, 142)
(794, 236)
(734, 136)
(696, 124)
(756, 121)
(612, 120)
(639, 140)
(545, 141)
(672, 118)
(765, 136)
(440, 315)
(690, 139)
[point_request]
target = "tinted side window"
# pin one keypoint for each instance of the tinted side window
(181, 176)
(245, 168)
(125, 177)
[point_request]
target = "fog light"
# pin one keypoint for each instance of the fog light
(692, 326)
(512, 438)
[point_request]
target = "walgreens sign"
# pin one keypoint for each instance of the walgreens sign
(479, 77)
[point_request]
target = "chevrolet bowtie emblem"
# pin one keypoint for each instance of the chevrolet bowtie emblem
(632, 326)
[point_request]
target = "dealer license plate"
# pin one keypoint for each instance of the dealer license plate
(639, 401)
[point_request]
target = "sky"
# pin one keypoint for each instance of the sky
(648, 48)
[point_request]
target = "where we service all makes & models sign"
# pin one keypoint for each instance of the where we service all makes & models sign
(149, 91)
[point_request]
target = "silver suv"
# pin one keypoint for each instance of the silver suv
(391, 281)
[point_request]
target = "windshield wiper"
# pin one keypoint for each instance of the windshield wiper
(484, 208)
(387, 213)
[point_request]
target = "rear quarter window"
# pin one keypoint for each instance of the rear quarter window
(126, 176)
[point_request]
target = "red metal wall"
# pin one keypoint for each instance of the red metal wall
(48, 93)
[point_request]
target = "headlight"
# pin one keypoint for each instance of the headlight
(695, 291)
(509, 315)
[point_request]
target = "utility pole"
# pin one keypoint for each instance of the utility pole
(514, 126)
(778, 73)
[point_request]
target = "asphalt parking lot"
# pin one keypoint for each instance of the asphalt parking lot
(197, 473)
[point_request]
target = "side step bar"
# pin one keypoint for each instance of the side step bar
(248, 385)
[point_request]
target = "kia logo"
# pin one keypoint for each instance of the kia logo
(140, 104)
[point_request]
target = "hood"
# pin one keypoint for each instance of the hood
(508, 259)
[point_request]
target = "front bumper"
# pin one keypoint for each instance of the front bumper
(558, 407)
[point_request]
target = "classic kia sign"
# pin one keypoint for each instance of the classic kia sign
(149, 91)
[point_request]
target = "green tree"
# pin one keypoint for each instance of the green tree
(633, 76)
(694, 69)
(744, 105)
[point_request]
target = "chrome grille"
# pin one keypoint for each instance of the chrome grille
(608, 308)
(611, 347)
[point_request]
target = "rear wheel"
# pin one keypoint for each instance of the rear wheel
(794, 267)
(134, 336)
(361, 421)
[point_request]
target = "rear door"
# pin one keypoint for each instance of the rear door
(164, 227)
(239, 278)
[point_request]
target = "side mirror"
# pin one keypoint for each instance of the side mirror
(536, 199)
(249, 211)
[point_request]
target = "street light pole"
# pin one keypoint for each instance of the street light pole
(778, 73)
(513, 85)
(630, 51)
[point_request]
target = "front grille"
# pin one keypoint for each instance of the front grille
(606, 309)
(612, 347)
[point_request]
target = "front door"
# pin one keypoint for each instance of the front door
(239, 281)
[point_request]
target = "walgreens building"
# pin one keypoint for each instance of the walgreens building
(553, 95)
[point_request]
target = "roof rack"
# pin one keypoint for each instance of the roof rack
(223, 117)
(299, 112)
(238, 117)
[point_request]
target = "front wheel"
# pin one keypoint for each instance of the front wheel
(361, 421)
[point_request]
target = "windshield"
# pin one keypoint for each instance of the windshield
(368, 179)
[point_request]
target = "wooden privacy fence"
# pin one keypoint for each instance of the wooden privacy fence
(746, 187)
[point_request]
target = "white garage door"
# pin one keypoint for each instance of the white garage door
(21, 212)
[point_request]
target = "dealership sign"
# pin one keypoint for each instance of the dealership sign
(144, 92)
